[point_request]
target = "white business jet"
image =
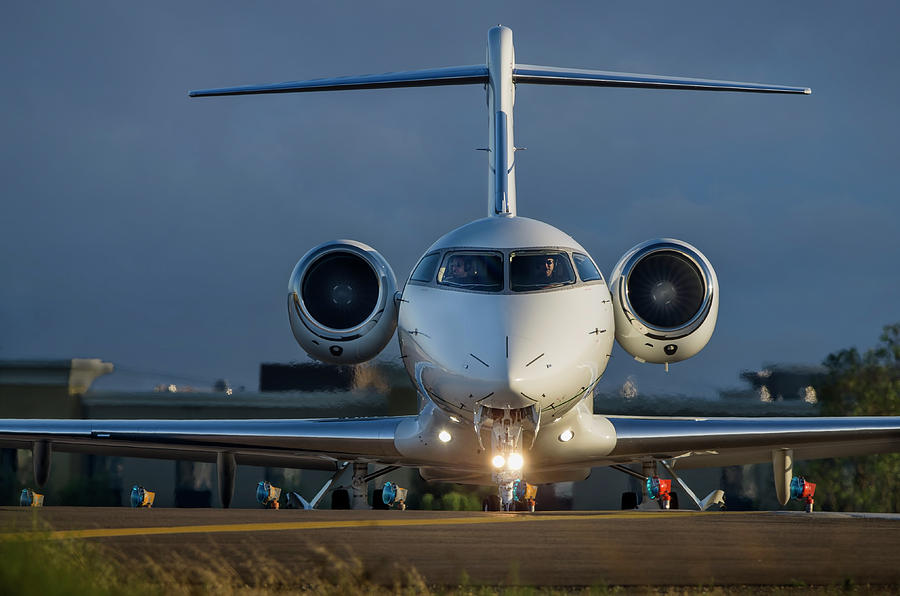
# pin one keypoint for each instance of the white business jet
(505, 327)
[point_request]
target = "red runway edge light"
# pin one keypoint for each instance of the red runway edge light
(802, 490)
(657, 488)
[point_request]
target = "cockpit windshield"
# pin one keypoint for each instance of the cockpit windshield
(536, 270)
(480, 271)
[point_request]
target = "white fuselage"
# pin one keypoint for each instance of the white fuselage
(547, 348)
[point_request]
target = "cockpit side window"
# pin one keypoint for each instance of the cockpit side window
(537, 270)
(424, 271)
(587, 271)
(479, 271)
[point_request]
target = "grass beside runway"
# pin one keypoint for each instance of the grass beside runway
(427, 553)
(50, 568)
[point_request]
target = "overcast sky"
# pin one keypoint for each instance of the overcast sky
(158, 232)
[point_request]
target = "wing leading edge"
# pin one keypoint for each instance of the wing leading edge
(310, 443)
(704, 442)
(324, 443)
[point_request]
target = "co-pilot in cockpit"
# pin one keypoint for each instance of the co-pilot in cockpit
(535, 270)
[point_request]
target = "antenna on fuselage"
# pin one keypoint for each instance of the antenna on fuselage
(500, 74)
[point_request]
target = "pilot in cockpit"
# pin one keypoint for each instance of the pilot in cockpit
(547, 269)
(456, 271)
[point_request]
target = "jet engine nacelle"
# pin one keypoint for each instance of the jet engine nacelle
(665, 299)
(341, 302)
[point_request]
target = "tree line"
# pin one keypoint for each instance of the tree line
(860, 384)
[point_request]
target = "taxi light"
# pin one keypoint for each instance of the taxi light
(657, 488)
(498, 461)
(268, 495)
(524, 492)
(796, 487)
(801, 489)
(515, 461)
(29, 498)
(566, 435)
(141, 497)
(389, 493)
(444, 436)
(392, 494)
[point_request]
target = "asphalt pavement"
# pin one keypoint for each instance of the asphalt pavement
(571, 548)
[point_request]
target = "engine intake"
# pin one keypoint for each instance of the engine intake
(666, 300)
(341, 302)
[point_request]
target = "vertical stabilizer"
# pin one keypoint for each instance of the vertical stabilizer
(501, 95)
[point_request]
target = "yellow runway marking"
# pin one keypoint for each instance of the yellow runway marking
(322, 525)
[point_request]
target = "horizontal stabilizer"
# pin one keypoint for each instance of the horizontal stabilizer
(552, 75)
(451, 75)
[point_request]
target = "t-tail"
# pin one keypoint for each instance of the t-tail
(500, 74)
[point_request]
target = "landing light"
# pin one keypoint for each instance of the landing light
(515, 461)
(566, 435)
(444, 436)
(498, 461)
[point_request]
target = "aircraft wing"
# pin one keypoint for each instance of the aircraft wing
(325, 443)
(310, 444)
(707, 442)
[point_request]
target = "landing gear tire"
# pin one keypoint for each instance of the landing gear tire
(673, 504)
(340, 499)
(377, 501)
(629, 500)
(491, 503)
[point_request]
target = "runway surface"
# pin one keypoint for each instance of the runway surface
(546, 548)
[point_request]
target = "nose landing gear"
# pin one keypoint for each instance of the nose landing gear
(513, 493)
(510, 429)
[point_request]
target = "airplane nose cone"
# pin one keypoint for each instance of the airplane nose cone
(540, 371)
(515, 351)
